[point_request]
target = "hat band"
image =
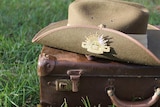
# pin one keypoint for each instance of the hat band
(142, 38)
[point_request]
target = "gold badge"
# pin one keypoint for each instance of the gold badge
(97, 44)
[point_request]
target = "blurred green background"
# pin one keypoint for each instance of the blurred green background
(20, 20)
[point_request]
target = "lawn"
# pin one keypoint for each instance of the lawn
(20, 20)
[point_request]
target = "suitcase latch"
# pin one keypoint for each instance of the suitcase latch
(63, 85)
(74, 77)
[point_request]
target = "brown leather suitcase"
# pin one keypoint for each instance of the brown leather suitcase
(71, 78)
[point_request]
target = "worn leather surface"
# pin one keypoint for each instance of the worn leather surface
(130, 81)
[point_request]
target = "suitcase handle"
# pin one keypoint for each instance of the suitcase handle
(145, 103)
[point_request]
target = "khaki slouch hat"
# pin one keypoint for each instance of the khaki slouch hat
(110, 29)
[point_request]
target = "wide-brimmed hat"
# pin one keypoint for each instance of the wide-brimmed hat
(110, 29)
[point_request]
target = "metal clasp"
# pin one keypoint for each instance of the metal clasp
(74, 77)
(63, 85)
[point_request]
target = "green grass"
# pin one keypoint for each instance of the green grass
(20, 20)
(85, 101)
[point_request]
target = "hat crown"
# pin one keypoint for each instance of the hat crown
(115, 14)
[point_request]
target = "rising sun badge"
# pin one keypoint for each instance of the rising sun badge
(96, 43)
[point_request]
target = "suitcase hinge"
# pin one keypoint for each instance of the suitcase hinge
(74, 77)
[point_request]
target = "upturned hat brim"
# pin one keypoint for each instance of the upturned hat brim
(122, 46)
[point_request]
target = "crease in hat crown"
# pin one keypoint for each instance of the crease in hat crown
(126, 17)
